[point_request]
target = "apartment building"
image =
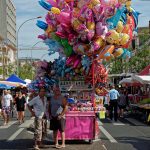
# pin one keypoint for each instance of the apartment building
(7, 36)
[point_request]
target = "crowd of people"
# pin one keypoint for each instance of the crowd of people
(41, 109)
(53, 108)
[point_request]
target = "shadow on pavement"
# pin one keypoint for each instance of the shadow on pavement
(26, 144)
(139, 143)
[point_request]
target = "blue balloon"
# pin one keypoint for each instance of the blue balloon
(71, 100)
(135, 15)
(113, 21)
(45, 5)
(126, 54)
(42, 25)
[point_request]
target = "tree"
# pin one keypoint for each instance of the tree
(26, 71)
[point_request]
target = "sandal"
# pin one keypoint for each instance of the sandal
(58, 146)
(36, 148)
(63, 146)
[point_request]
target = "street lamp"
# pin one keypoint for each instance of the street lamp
(17, 45)
(31, 56)
(44, 55)
(33, 47)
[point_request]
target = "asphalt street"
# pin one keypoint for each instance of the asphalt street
(126, 134)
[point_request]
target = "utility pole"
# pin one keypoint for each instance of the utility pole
(149, 26)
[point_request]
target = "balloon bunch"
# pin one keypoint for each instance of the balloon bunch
(90, 27)
(87, 32)
(44, 76)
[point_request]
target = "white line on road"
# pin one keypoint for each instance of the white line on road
(26, 124)
(22, 127)
(118, 124)
(9, 124)
(111, 139)
(15, 134)
(104, 147)
(100, 123)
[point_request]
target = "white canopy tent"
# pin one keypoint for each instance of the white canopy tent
(136, 79)
(142, 79)
(28, 81)
(127, 80)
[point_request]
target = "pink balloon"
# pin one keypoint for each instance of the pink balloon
(52, 2)
(64, 17)
(76, 63)
(101, 29)
(109, 2)
(43, 37)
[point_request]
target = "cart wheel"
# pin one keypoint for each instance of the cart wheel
(90, 141)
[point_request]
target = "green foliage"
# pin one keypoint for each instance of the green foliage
(136, 63)
(26, 71)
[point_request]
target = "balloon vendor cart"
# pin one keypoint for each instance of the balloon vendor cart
(86, 34)
(81, 123)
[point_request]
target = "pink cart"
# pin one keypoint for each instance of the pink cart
(80, 125)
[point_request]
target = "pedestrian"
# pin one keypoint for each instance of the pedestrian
(57, 110)
(14, 107)
(6, 106)
(39, 112)
(113, 105)
(20, 103)
(106, 103)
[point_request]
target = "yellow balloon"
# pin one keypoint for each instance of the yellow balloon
(124, 38)
(112, 37)
(55, 10)
(91, 25)
(118, 52)
(119, 27)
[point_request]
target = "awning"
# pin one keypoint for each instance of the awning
(15, 84)
(129, 81)
(142, 79)
(145, 71)
(14, 78)
(4, 86)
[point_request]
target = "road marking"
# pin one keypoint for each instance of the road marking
(100, 123)
(21, 128)
(104, 147)
(9, 124)
(118, 124)
(15, 134)
(111, 139)
(30, 132)
(27, 123)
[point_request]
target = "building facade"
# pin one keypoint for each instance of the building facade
(7, 36)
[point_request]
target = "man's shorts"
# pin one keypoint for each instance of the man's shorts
(56, 124)
(6, 110)
(40, 128)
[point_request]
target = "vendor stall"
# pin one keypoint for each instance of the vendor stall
(85, 33)
(81, 120)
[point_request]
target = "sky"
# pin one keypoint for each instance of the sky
(28, 33)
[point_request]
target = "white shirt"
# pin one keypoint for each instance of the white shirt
(106, 99)
(6, 100)
(38, 106)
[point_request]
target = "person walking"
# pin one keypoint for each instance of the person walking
(57, 110)
(113, 95)
(6, 106)
(122, 103)
(20, 103)
(39, 110)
